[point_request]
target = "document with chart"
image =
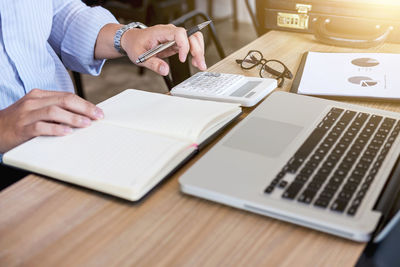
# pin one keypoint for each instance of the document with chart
(366, 75)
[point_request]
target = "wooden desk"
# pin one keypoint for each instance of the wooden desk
(47, 223)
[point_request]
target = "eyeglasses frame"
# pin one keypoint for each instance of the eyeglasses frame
(280, 76)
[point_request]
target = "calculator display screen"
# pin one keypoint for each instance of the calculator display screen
(245, 88)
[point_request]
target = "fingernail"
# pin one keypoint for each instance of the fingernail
(67, 130)
(163, 70)
(86, 121)
(203, 65)
(98, 113)
(184, 58)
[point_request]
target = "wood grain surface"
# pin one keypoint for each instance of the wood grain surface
(44, 222)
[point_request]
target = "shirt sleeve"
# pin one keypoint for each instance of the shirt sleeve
(74, 32)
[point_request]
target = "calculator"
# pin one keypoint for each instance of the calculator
(234, 88)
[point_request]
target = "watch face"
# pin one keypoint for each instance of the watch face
(136, 25)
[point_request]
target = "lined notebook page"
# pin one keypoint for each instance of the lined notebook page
(104, 157)
(168, 115)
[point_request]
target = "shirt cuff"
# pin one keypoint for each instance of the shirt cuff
(77, 49)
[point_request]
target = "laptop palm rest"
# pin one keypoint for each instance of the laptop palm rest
(263, 136)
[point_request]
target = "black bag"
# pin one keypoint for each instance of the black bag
(356, 23)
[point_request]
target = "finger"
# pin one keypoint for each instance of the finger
(45, 128)
(157, 65)
(200, 38)
(40, 93)
(182, 42)
(74, 104)
(168, 52)
(42, 98)
(194, 63)
(57, 114)
(197, 51)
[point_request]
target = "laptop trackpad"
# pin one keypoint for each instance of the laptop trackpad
(262, 136)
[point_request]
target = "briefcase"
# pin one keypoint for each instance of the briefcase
(356, 23)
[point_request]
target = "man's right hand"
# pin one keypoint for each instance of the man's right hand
(42, 112)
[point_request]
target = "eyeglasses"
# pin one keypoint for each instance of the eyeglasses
(269, 68)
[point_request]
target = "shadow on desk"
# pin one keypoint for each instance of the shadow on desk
(384, 254)
(10, 175)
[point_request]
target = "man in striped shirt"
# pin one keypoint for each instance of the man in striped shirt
(40, 40)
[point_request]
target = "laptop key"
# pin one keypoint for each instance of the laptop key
(269, 189)
(314, 185)
(301, 178)
(348, 116)
(345, 195)
(388, 123)
(352, 210)
(274, 182)
(339, 205)
(351, 187)
(307, 196)
(282, 184)
(292, 190)
(357, 201)
(374, 121)
(327, 193)
(313, 139)
(322, 202)
(332, 186)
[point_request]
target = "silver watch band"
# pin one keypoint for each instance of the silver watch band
(121, 31)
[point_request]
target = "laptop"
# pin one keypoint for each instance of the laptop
(318, 163)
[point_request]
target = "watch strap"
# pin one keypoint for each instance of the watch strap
(121, 31)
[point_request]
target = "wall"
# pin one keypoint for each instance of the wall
(223, 8)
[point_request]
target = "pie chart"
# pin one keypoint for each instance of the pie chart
(363, 81)
(365, 62)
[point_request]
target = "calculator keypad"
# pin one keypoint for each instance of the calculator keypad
(210, 83)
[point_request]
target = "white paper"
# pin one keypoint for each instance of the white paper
(107, 158)
(163, 114)
(351, 74)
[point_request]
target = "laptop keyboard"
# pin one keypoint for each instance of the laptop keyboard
(335, 166)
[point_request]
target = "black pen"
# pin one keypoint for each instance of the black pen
(142, 58)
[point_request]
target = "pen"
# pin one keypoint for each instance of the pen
(148, 54)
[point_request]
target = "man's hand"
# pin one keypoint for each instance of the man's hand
(43, 112)
(137, 41)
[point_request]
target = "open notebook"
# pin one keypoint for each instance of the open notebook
(143, 137)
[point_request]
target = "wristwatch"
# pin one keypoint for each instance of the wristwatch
(121, 31)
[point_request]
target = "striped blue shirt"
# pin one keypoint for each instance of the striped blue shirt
(41, 39)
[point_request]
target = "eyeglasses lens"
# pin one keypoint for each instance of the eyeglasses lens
(272, 69)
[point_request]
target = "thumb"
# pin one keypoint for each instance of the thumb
(157, 65)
